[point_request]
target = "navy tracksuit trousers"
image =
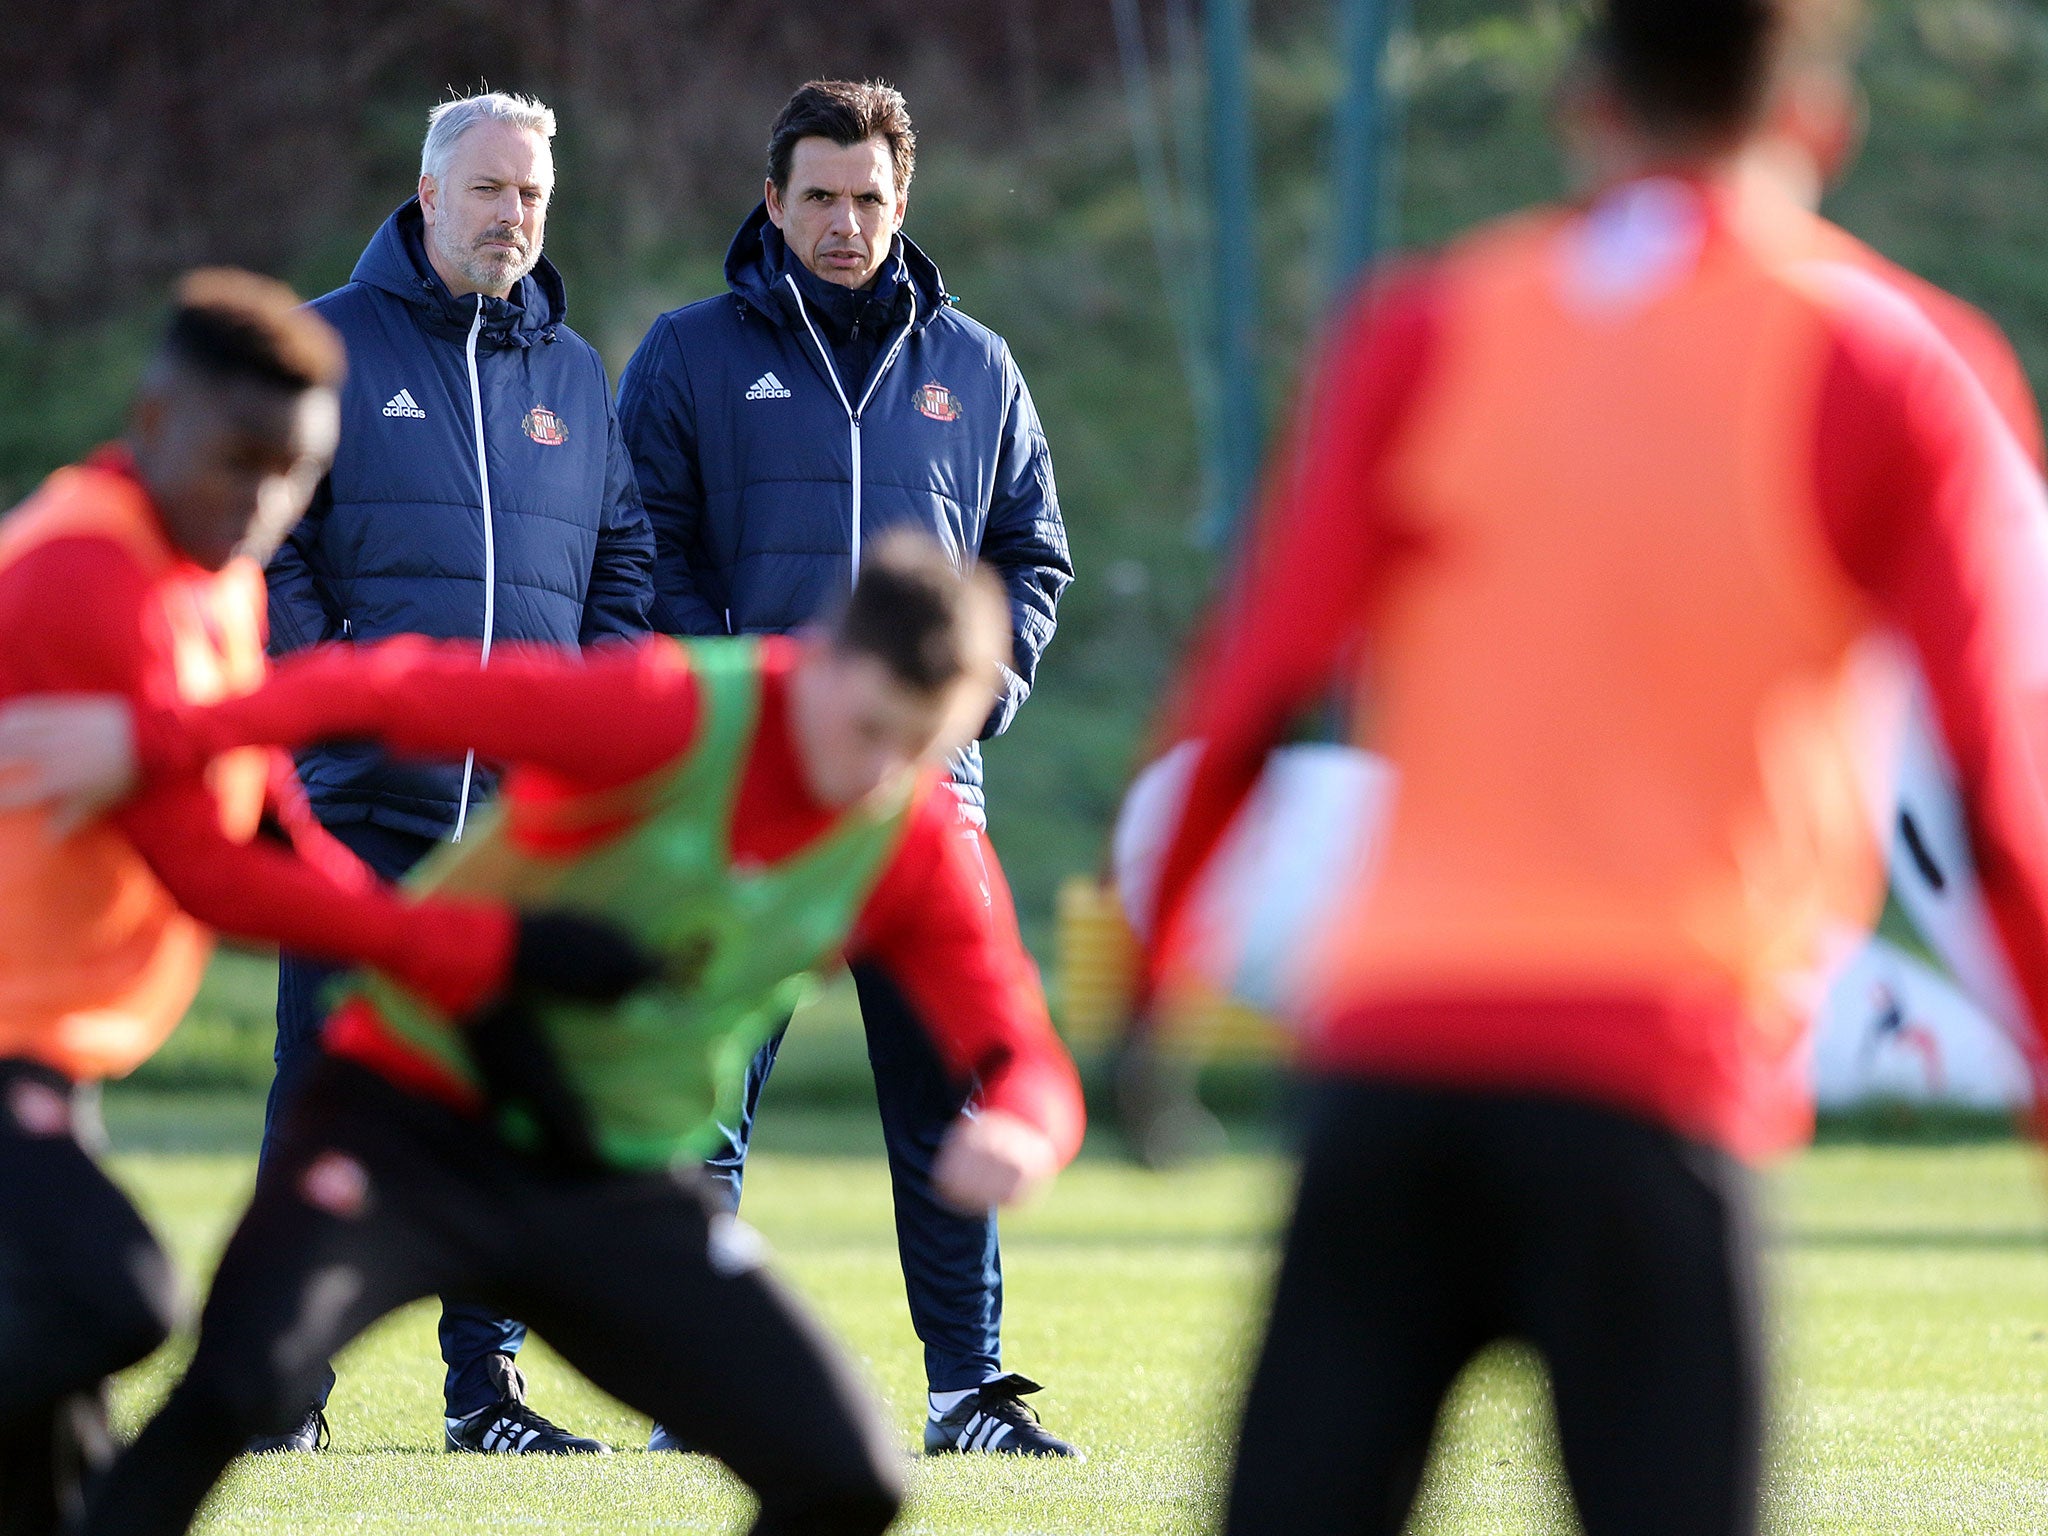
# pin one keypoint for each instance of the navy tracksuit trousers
(470, 1334)
(952, 1267)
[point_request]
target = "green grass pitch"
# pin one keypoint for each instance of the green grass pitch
(1911, 1289)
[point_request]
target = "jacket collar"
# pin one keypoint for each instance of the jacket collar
(883, 303)
(396, 262)
(758, 260)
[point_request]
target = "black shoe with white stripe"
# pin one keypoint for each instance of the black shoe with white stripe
(509, 1428)
(993, 1419)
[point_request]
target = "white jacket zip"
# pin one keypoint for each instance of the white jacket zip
(853, 412)
(483, 478)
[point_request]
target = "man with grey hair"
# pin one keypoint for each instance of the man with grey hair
(481, 492)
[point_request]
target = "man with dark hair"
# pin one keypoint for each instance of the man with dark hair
(1615, 636)
(745, 811)
(777, 430)
(481, 492)
(847, 113)
(138, 573)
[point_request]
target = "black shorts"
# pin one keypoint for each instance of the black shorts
(375, 1198)
(84, 1291)
(1432, 1223)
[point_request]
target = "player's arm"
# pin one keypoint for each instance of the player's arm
(456, 953)
(1932, 508)
(941, 924)
(1989, 354)
(1324, 546)
(72, 614)
(606, 718)
(295, 885)
(70, 625)
(625, 712)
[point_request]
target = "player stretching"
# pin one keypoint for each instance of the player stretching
(1601, 513)
(747, 811)
(138, 573)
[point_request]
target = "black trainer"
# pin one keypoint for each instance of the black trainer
(509, 1428)
(309, 1434)
(995, 1420)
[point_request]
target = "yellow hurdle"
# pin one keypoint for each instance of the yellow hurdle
(1096, 977)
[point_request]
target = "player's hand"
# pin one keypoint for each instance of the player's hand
(520, 1070)
(990, 1159)
(74, 752)
(577, 956)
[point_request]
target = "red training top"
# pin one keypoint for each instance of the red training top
(940, 920)
(95, 597)
(1604, 514)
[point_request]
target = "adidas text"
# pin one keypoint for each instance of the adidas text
(403, 404)
(767, 387)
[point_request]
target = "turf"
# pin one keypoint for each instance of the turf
(1912, 1303)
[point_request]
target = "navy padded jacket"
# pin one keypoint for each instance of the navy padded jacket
(395, 542)
(744, 441)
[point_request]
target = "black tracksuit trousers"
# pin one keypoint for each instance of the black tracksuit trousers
(84, 1292)
(1431, 1223)
(375, 1198)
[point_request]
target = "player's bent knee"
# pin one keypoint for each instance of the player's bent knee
(134, 1304)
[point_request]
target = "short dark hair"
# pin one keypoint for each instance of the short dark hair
(1703, 69)
(847, 112)
(930, 624)
(229, 324)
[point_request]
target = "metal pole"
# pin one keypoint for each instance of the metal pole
(1233, 221)
(1358, 177)
(1166, 212)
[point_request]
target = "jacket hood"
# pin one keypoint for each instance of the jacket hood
(396, 261)
(757, 259)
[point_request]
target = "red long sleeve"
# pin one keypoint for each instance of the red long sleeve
(942, 925)
(1934, 512)
(456, 953)
(289, 814)
(609, 718)
(1985, 349)
(76, 614)
(72, 612)
(1324, 545)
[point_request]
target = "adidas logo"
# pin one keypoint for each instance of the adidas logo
(508, 1436)
(403, 404)
(767, 387)
(982, 1432)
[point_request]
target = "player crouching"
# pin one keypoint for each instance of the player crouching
(138, 574)
(748, 811)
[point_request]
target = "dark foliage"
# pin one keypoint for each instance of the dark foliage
(139, 138)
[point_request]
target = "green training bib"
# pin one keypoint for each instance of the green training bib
(743, 942)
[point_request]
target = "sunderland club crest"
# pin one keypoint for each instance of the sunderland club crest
(938, 402)
(545, 427)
